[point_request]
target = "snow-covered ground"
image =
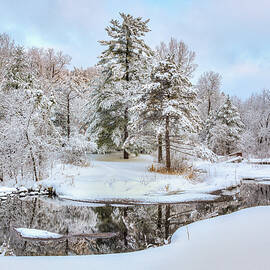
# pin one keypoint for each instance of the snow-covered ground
(111, 178)
(237, 241)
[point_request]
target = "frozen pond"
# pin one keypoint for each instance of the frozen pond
(139, 226)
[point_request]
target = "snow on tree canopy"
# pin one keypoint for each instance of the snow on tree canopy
(168, 101)
(170, 94)
(123, 66)
(224, 129)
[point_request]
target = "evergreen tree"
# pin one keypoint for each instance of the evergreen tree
(122, 64)
(169, 101)
(224, 129)
(18, 74)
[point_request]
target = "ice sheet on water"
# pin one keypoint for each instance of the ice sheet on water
(34, 233)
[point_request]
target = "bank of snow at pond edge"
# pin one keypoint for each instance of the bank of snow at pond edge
(120, 179)
(236, 241)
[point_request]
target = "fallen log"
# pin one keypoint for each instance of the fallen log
(259, 162)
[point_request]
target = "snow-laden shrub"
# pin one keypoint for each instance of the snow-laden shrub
(248, 144)
(75, 151)
(5, 250)
(200, 151)
(191, 152)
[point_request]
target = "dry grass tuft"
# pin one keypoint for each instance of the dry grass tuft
(187, 171)
(164, 170)
(85, 164)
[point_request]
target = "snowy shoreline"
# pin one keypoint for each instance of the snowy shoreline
(109, 179)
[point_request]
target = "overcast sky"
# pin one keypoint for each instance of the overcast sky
(231, 37)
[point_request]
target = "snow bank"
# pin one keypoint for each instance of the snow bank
(237, 241)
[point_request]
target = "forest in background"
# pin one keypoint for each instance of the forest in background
(136, 99)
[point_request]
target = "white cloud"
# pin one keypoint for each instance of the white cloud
(229, 36)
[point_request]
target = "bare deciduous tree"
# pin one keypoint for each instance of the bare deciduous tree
(183, 56)
(209, 92)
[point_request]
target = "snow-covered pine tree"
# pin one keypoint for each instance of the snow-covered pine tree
(18, 73)
(224, 129)
(170, 102)
(122, 64)
(184, 58)
(142, 133)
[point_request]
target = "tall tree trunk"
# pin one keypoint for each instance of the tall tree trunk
(34, 165)
(40, 166)
(68, 117)
(126, 155)
(160, 148)
(167, 144)
(209, 105)
(32, 158)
